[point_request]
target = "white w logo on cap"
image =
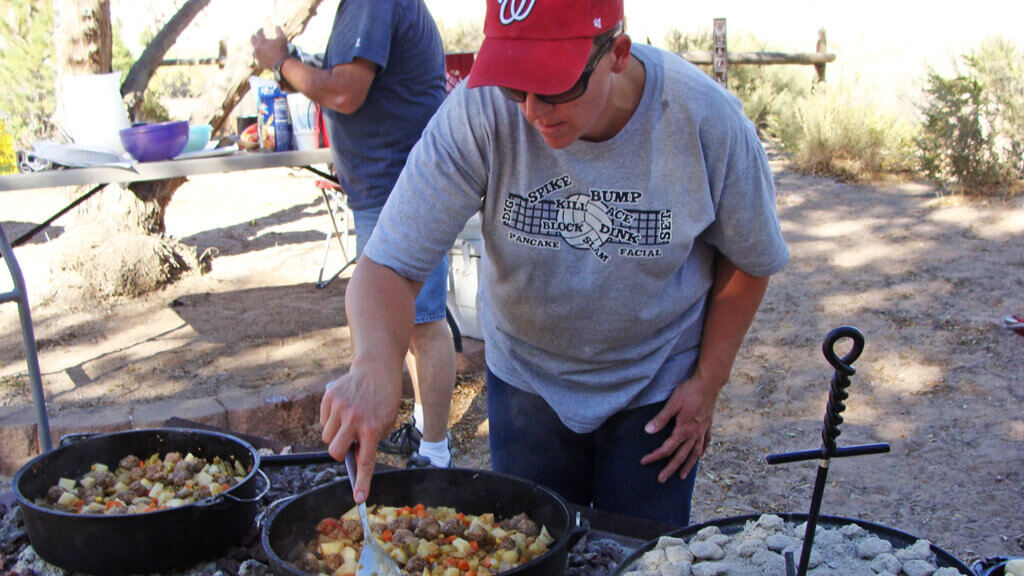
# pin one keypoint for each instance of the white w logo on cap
(514, 10)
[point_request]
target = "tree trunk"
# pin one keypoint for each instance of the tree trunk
(82, 39)
(134, 86)
(233, 81)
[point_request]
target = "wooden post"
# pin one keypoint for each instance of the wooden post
(821, 48)
(222, 53)
(719, 56)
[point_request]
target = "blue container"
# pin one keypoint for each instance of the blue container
(282, 125)
(154, 142)
(198, 137)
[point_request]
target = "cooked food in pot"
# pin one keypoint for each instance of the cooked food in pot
(426, 542)
(137, 486)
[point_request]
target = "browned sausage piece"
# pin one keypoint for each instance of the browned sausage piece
(156, 473)
(415, 565)
(180, 477)
(54, 494)
(138, 488)
(529, 527)
(399, 523)
(429, 528)
(453, 527)
(129, 462)
(402, 537)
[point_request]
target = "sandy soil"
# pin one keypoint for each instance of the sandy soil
(926, 279)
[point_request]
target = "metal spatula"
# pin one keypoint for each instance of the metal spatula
(373, 560)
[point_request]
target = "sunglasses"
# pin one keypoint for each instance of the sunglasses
(578, 89)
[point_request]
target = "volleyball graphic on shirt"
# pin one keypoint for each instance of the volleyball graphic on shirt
(583, 222)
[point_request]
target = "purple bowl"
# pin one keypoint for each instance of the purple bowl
(153, 142)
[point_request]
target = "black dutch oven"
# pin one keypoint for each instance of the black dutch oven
(137, 543)
(735, 524)
(294, 521)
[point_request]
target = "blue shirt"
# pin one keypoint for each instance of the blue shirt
(370, 145)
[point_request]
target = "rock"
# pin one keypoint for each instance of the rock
(886, 563)
(750, 546)
(872, 546)
(667, 541)
(30, 563)
(675, 569)
(707, 551)
(710, 569)
(12, 529)
(706, 533)
(325, 476)
(720, 539)
(253, 568)
(947, 571)
(779, 542)
(770, 522)
(919, 550)
(852, 531)
(653, 559)
(918, 568)
(767, 558)
(812, 561)
(679, 554)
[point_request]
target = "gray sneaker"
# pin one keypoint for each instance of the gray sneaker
(418, 461)
(404, 440)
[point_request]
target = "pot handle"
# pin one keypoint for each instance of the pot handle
(256, 498)
(72, 438)
(220, 498)
(580, 530)
(272, 507)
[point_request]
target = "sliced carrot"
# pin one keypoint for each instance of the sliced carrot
(463, 565)
(471, 573)
(451, 561)
(386, 536)
(474, 545)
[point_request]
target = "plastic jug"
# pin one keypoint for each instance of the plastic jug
(93, 113)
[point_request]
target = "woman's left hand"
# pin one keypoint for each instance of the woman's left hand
(267, 51)
(691, 407)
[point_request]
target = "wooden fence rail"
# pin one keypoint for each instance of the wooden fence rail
(719, 58)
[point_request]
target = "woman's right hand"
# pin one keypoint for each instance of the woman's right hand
(359, 408)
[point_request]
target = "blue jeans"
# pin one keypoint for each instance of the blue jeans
(601, 468)
(432, 300)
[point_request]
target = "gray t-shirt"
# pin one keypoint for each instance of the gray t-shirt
(598, 257)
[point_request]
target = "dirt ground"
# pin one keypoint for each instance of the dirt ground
(927, 279)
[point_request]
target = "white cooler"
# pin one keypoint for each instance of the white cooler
(464, 279)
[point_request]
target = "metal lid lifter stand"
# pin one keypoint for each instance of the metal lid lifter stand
(833, 418)
(20, 295)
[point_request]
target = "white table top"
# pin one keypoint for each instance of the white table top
(144, 171)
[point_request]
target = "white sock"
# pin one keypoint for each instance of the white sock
(417, 416)
(437, 452)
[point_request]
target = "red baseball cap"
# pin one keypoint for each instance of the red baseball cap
(540, 46)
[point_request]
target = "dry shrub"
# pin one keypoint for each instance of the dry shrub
(838, 133)
(97, 263)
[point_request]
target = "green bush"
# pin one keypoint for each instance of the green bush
(973, 133)
(27, 71)
(836, 132)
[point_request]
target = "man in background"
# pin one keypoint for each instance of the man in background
(382, 79)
